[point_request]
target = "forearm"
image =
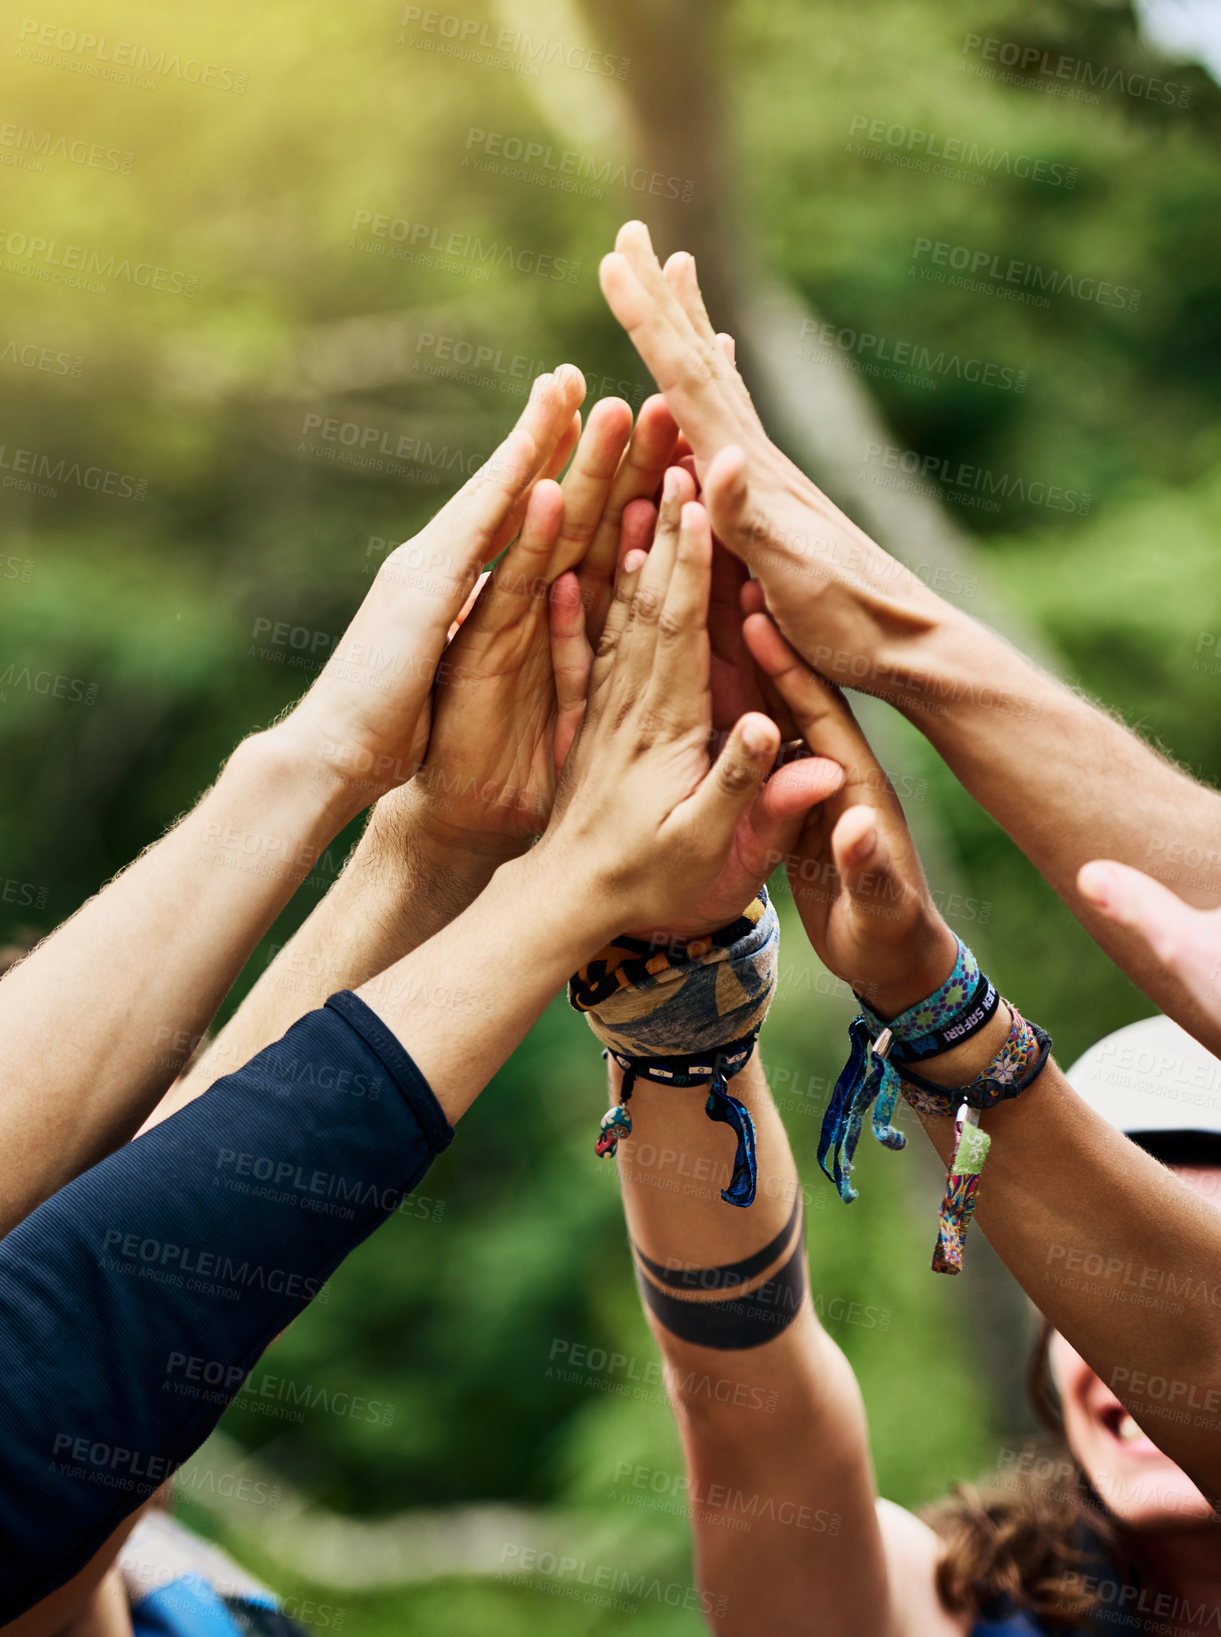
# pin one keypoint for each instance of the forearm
(398, 889)
(98, 1020)
(1065, 779)
(1118, 1254)
(462, 1002)
(780, 1420)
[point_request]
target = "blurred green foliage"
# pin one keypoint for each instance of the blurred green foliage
(215, 401)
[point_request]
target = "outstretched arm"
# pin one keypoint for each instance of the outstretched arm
(1062, 1189)
(98, 1020)
(487, 782)
(238, 1212)
(770, 1414)
(865, 621)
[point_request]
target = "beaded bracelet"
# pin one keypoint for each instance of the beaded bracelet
(879, 1069)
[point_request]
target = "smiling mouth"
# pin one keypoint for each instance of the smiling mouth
(1126, 1431)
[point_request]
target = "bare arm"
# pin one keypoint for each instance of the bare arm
(866, 622)
(775, 1434)
(1062, 1190)
(97, 1021)
(486, 785)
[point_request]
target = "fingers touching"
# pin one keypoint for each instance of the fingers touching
(571, 660)
(680, 679)
(819, 711)
(640, 472)
(588, 481)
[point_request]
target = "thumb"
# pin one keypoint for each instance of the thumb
(1145, 906)
(864, 864)
(726, 494)
(732, 783)
(778, 816)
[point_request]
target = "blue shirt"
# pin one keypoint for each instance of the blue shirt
(135, 1301)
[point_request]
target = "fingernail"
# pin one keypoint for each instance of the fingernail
(669, 487)
(754, 739)
(538, 383)
(866, 846)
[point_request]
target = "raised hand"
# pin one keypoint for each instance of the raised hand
(365, 721)
(827, 584)
(488, 776)
(855, 874)
(771, 822)
(642, 817)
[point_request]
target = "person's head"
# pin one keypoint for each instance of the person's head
(1163, 1089)
(1024, 1539)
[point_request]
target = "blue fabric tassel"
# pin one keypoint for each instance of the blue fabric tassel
(864, 1077)
(729, 1111)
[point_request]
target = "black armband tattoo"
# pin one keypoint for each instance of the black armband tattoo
(739, 1321)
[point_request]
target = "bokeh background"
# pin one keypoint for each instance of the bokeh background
(374, 224)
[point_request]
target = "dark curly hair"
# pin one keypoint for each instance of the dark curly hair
(1022, 1544)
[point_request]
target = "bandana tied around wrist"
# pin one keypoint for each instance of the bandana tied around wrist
(685, 1014)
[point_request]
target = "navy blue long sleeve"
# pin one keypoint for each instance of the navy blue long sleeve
(135, 1301)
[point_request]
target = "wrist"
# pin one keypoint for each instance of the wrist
(284, 754)
(588, 909)
(963, 1064)
(279, 763)
(404, 828)
(949, 666)
(928, 965)
(415, 869)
